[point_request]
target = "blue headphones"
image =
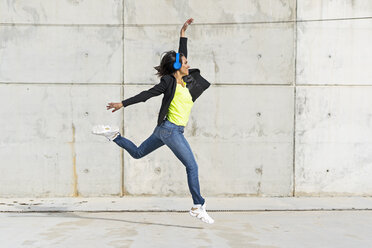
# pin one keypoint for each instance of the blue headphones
(177, 65)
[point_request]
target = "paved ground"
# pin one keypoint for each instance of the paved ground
(128, 203)
(284, 229)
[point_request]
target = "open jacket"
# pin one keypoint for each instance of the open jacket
(167, 86)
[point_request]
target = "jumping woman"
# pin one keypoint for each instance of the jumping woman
(181, 87)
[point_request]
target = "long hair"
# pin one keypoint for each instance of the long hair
(166, 63)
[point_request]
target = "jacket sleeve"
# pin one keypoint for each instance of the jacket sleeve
(145, 95)
(183, 46)
(196, 83)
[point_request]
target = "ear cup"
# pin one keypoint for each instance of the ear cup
(177, 65)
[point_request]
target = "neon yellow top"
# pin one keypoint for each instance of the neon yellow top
(180, 107)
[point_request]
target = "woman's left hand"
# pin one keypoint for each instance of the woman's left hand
(185, 25)
(114, 105)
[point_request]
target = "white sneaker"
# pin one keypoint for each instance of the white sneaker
(201, 213)
(109, 132)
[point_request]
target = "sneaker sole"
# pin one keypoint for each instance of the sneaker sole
(99, 131)
(201, 219)
(193, 214)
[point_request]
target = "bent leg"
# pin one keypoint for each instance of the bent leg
(150, 144)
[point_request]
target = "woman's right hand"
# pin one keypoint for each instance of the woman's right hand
(114, 105)
(185, 25)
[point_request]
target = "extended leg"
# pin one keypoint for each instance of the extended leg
(181, 148)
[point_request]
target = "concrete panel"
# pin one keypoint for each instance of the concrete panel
(328, 9)
(244, 54)
(334, 52)
(333, 141)
(56, 54)
(61, 12)
(46, 145)
(242, 138)
(160, 12)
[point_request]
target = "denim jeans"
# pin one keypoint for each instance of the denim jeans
(171, 135)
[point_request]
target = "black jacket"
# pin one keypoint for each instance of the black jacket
(167, 86)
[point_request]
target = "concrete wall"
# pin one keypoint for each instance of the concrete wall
(287, 113)
(333, 98)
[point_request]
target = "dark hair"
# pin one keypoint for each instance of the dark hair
(166, 63)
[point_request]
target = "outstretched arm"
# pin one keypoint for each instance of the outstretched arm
(183, 40)
(141, 97)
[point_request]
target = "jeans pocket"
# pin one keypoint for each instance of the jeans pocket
(165, 133)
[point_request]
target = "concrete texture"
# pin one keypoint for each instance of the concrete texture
(262, 129)
(142, 12)
(328, 9)
(333, 130)
(253, 54)
(334, 52)
(182, 204)
(58, 54)
(258, 222)
(46, 146)
(61, 12)
(283, 229)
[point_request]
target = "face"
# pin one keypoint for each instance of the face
(185, 66)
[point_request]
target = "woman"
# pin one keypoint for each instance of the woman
(181, 88)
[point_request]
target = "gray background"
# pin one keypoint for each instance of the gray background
(288, 112)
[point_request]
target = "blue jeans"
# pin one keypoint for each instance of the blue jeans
(171, 135)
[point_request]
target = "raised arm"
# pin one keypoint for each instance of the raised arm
(183, 40)
(159, 88)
